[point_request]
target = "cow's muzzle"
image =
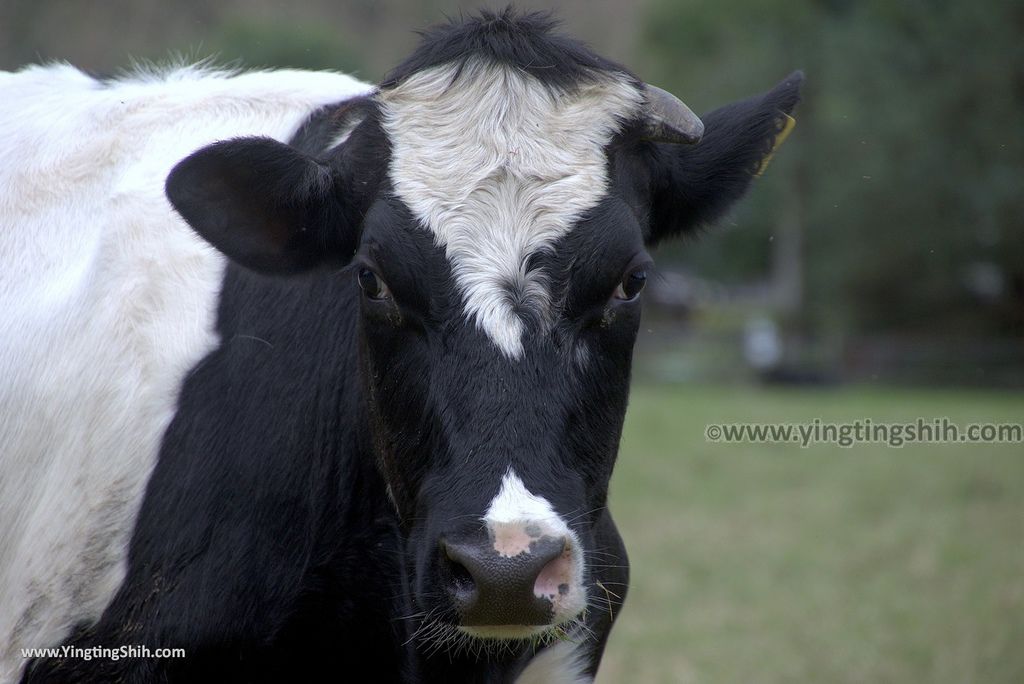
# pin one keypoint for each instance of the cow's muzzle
(515, 581)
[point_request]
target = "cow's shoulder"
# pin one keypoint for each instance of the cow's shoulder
(108, 300)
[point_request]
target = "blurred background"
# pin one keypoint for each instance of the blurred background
(875, 271)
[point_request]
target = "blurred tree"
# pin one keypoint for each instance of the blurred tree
(905, 176)
(267, 43)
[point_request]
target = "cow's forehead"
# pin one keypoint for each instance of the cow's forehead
(498, 166)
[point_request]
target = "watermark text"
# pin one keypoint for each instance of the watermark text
(102, 652)
(866, 431)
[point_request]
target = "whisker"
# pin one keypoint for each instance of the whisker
(584, 514)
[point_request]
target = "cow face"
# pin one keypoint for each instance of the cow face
(495, 217)
(499, 463)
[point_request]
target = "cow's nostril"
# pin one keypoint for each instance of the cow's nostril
(461, 578)
(555, 577)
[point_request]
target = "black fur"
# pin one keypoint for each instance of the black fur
(322, 128)
(526, 42)
(290, 530)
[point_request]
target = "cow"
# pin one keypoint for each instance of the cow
(318, 380)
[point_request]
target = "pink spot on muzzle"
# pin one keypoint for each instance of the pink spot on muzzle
(512, 539)
(555, 578)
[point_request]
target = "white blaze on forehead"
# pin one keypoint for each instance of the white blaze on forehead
(498, 167)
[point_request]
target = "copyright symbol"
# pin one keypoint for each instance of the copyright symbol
(713, 433)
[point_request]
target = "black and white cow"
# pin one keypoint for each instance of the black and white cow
(370, 431)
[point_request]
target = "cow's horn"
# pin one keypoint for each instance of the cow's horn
(668, 120)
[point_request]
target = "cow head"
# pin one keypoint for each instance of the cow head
(494, 202)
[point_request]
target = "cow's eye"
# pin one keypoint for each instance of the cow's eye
(372, 286)
(631, 284)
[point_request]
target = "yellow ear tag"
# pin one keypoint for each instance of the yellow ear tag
(779, 139)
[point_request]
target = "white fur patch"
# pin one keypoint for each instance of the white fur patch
(561, 663)
(514, 503)
(107, 299)
(516, 517)
(499, 167)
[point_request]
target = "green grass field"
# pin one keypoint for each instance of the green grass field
(771, 563)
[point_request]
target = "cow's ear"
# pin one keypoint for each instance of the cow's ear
(264, 204)
(693, 185)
